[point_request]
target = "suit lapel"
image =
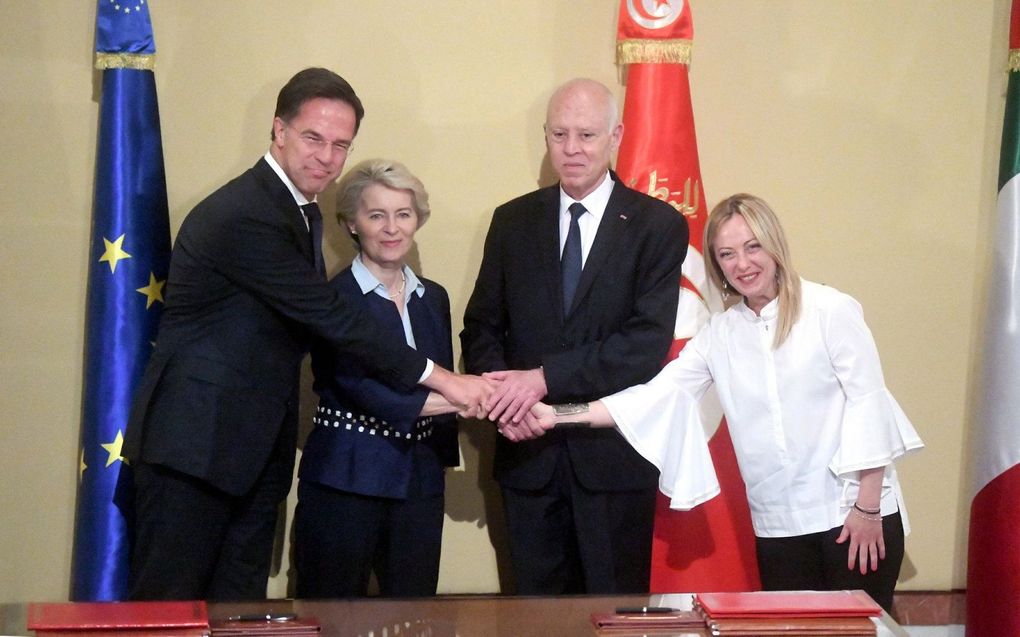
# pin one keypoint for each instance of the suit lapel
(613, 225)
(425, 321)
(547, 246)
(284, 201)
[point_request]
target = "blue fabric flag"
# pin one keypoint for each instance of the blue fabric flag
(123, 26)
(128, 262)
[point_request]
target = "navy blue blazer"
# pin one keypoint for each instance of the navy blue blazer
(368, 438)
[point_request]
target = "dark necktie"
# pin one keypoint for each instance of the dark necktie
(570, 262)
(314, 217)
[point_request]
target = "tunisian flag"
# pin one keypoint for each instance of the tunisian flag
(710, 548)
(993, 559)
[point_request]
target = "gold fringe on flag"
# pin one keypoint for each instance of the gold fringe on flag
(654, 51)
(125, 61)
(1014, 60)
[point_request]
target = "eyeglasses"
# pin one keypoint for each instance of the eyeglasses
(317, 143)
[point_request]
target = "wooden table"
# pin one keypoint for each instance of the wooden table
(445, 616)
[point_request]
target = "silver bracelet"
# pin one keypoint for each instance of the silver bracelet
(870, 518)
(569, 409)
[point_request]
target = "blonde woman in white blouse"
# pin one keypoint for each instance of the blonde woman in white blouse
(814, 428)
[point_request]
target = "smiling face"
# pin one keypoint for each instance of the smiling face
(385, 224)
(748, 268)
(312, 147)
(581, 134)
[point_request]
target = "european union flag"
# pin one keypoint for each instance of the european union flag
(129, 258)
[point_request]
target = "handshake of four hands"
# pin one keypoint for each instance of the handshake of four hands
(511, 398)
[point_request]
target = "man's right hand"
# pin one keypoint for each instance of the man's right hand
(466, 391)
(517, 392)
(535, 423)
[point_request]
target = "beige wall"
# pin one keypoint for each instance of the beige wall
(872, 127)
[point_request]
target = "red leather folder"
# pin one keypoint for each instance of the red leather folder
(126, 632)
(787, 604)
(134, 619)
(793, 626)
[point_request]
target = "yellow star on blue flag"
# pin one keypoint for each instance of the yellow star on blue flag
(153, 291)
(113, 448)
(114, 252)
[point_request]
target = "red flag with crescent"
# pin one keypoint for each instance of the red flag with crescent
(710, 548)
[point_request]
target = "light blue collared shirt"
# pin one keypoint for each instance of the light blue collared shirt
(368, 283)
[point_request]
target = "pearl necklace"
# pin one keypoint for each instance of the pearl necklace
(400, 292)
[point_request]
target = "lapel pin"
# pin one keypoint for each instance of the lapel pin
(624, 217)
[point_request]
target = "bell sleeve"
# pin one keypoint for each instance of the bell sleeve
(661, 420)
(874, 430)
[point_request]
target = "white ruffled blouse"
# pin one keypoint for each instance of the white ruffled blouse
(804, 418)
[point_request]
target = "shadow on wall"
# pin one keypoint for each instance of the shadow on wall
(472, 495)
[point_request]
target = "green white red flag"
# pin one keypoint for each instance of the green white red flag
(993, 557)
(710, 548)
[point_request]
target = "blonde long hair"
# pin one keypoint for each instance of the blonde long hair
(765, 227)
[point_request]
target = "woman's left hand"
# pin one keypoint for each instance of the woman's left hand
(867, 544)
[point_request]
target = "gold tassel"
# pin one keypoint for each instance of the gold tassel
(135, 61)
(676, 51)
(1014, 60)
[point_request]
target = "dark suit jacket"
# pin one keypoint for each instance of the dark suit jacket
(219, 395)
(377, 458)
(616, 334)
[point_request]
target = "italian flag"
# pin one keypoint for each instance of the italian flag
(710, 548)
(993, 560)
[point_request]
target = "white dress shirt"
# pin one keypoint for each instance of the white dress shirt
(804, 418)
(299, 198)
(595, 203)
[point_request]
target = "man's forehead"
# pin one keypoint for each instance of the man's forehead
(577, 112)
(324, 117)
(588, 123)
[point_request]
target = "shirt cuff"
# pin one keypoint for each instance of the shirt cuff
(429, 366)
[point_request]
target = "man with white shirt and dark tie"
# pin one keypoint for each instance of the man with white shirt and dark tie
(576, 298)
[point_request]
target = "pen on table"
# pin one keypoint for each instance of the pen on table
(643, 610)
(264, 617)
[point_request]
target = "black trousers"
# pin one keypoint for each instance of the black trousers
(193, 541)
(816, 562)
(340, 538)
(565, 539)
